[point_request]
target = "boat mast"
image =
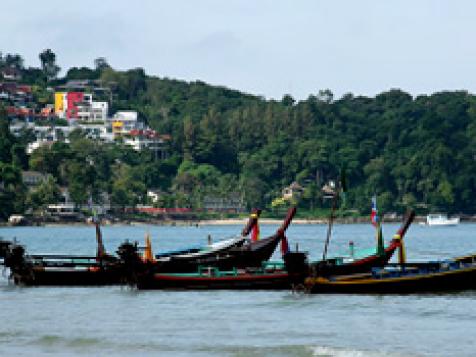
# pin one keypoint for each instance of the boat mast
(341, 185)
(331, 222)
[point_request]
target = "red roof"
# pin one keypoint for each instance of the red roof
(19, 111)
(46, 112)
(149, 133)
(162, 210)
(24, 88)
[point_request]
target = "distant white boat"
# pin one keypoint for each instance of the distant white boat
(439, 219)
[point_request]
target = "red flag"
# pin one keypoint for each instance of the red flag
(255, 232)
(373, 214)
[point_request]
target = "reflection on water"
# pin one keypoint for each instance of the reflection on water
(115, 320)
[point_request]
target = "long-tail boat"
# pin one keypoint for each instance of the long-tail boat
(250, 254)
(247, 258)
(105, 269)
(408, 278)
(213, 248)
(401, 278)
(56, 269)
(349, 265)
(270, 276)
(379, 257)
(352, 264)
(247, 255)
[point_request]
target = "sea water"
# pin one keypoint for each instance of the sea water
(122, 322)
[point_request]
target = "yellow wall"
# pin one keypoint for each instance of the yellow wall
(59, 108)
(117, 126)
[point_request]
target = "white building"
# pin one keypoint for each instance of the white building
(124, 121)
(80, 106)
(153, 195)
(99, 111)
(84, 107)
(124, 125)
(89, 110)
(146, 139)
(46, 135)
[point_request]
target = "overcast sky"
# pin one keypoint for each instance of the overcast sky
(262, 47)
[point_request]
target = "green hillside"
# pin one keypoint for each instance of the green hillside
(410, 151)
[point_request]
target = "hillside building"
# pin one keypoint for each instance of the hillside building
(79, 106)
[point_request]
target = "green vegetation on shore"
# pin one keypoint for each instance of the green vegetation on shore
(410, 151)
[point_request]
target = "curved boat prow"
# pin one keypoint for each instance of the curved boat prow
(407, 221)
(100, 251)
(287, 221)
(409, 217)
(252, 221)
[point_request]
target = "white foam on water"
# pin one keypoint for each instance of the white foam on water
(323, 351)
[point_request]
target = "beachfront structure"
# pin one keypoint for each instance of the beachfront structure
(231, 203)
(294, 190)
(33, 178)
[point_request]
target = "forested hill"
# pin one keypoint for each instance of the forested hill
(418, 152)
(410, 151)
(407, 150)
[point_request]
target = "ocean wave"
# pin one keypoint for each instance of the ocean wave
(70, 342)
(252, 351)
(323, 351)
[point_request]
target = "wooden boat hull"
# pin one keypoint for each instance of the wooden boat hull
(456, 278)
(246, 281)
(66, 270)
(250, 254)
(61, 270)
(36, 271)
(296, 262)
(296, 270)
(198, 253)
(47, 276)
(328, 268)
(294, 276)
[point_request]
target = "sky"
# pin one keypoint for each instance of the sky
(262, 47)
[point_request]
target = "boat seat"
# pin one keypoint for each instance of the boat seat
(272, 265)
(208, 271)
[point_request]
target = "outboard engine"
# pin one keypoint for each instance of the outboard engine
(5, 247)
(130, 262)
(297, 266)
(21, 270)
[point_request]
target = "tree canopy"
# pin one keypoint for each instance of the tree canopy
(409, 151)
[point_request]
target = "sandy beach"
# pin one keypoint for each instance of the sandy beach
(237, 221)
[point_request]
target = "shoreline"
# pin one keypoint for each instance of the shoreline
(237, 221)
(178, 223)
(207, 222)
